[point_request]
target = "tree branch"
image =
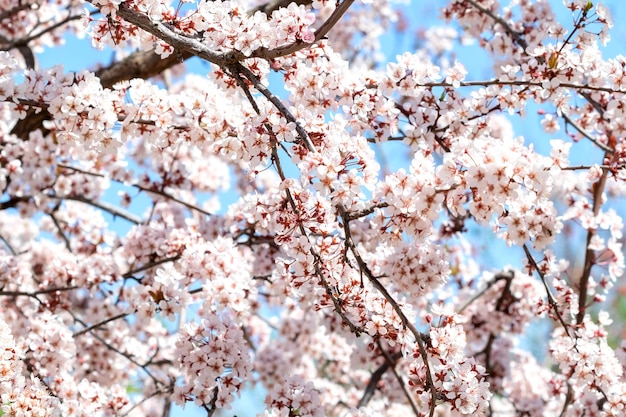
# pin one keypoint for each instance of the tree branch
(273, 5)
(551, 299)
(586, 134)
(145, 267)
(320, 34)
(598, 190)
(391, 360)
(99, 324)
(419, 338)
(103, 205)
(304, 136)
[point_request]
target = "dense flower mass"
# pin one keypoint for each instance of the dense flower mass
(307, 214)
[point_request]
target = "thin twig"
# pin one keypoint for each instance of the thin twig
(586, 134)
(304, 136)
(34, 294)
(68, 245)
(515, 35)
(551, 299)
(391, 360)
(520, 83)
(145, 267)
(23, 42)
(103, 205)
(364, 268)
(8, 245)
(141, 188)
(479, 294)
(99, 324)
(317, 260)
(146, 398)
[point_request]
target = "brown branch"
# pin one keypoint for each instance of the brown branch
(103, 205)
(8, 245)
(66, 240)
(141, 64)
(362, 213)
(490, 283)
(7, 13)
(320, 34)
(166, 195)
(304, 136)
(145, 267)
(598, 190)
(586, 134)
(391, 360)
(19, 43)
(13, 202)
(34, 294)
(515, 35)
(271, 6)
(579, 167)
(128, 356)
(337, 303)
(192, 46)
(419, 338)
(498, 82)
(374, 380)
(179, 41)
(598, 186)
(504, 296)
(376, 377)
(142, 188)
(167, 390)
(99, 324)
(551, 299)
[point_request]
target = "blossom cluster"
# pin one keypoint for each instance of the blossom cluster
(459, 381)
(213, 356)
(19, 393)
(224, 26)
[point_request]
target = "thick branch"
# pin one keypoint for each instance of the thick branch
(598, 190)
(141, 64)
(320, 34)
(377, 375)
(178, 41)
(273, 5)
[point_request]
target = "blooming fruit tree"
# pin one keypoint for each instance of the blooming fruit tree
(342, 284)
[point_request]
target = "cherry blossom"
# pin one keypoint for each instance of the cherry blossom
(307, 212)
